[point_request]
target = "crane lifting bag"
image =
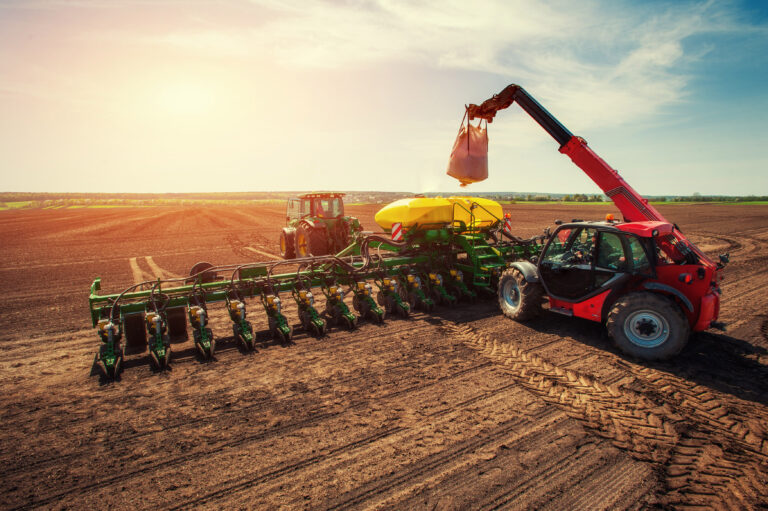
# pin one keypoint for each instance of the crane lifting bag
(469, 157)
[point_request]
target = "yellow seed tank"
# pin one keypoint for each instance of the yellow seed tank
(431, 213)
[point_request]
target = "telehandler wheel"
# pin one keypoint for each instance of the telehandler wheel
(647, 325)
(519, 299)
(288, 244)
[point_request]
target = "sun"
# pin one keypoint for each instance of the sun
(185, 98)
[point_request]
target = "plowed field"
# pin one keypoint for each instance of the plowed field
(460, 408)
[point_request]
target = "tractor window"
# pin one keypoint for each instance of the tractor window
(639, 257)
(293, 209)
(610, 252)
(336, 209)
(305, 207)
(328, 208)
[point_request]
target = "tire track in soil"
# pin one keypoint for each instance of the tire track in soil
(352, 345)
(282, 470)
(197, 422)
(321, 414)
(139, 275)
(159, 272)
(436, 463)
(232, 487)
(698, 468)
(707, 408)
(242, 250)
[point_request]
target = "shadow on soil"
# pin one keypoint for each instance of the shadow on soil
(717, 361)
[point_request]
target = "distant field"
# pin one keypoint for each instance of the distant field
(153, 203)
(131, 203)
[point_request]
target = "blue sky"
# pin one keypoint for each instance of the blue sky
(195, 96)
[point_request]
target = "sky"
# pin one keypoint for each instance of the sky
(265, 95)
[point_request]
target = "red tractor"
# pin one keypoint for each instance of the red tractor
(650, 285)
(316, 226)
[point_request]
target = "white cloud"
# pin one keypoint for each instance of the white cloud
(602, 63)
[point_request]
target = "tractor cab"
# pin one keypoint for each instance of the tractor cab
(318, 205)
(583, 259)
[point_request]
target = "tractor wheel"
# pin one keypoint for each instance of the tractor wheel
(403, 311)
(288, 244)
(310, 241)
(648, 326)
(518, 298)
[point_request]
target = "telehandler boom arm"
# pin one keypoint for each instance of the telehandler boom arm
(632, 205)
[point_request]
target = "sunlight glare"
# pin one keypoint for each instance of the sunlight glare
(185, 98)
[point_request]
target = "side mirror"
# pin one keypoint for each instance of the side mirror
(724, 259)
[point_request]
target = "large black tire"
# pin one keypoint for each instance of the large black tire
(519, 299)
(311, 241)
(648, 325)
(288, 244)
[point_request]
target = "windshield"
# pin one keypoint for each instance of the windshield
(329, 208)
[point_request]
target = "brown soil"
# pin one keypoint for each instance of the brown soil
(457, 409)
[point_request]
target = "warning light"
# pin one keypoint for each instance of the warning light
(609, 217)
(685, 277)
(507, 215)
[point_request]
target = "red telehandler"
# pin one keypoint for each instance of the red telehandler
(649, 284)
